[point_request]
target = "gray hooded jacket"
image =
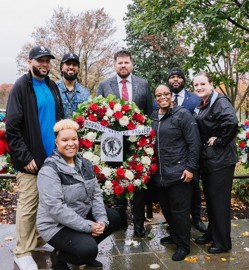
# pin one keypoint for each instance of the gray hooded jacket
(67, 196)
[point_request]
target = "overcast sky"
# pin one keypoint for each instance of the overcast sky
(18, 20)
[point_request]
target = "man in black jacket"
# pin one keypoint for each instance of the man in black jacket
(34, 106)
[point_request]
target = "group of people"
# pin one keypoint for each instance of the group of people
(60, 207)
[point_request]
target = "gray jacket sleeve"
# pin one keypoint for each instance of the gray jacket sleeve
(52, 198)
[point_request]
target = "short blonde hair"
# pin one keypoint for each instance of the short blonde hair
(65, 124)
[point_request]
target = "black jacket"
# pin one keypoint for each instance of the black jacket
(217, 119)
(177, 145)
(22, 123)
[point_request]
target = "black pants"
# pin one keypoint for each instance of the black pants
(175, 202)
(217, 188)
(196, 202)
(78, 247)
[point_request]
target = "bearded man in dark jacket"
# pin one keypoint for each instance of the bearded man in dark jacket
(34, 106)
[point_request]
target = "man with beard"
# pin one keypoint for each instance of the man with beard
(131, 88)
(34, 106)
(182, 97)
(72, 93)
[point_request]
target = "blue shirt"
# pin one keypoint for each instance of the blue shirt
(46, 114)
(71, 100)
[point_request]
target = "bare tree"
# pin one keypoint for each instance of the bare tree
(87, 34)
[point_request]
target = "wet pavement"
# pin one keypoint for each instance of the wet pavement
(123, 251)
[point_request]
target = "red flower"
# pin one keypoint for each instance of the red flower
(131, 126)
(4, 170)
(112, 104)
(92, 117)
(139, 168)
(138, 117)
(104, 123)
(242, 144)
(247, 123)
(247, 135)
(153, 167)
(96, 169)
(145, 179)
(94, 107)
(152, 133)
(126, 108)
(86, 143)
(142, 142)
(118, 115)
(80, 120)
(120, 172)
(101, 112)
(131, 188)
(101, 177)
(2, 134)
(118, 190)
(3, 147)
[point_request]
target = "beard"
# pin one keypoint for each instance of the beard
(178, 89)
(70, 77)
(38, 73)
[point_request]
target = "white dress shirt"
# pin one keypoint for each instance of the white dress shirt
(128, 84)
(180, 98)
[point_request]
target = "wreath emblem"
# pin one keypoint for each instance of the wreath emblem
(243, 143)
(98, 115)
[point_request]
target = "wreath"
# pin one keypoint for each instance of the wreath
(121, 116)
(5, 162)
(243, 143)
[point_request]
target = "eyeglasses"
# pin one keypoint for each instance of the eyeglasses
(163, 94)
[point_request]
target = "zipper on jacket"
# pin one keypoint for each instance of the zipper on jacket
(158, 150)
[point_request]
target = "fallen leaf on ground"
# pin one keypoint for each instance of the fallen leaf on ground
(245, 234)
(154, 266)
(246, 249)
(191, 259)
(207, 258)
(224, 259)
(8, 238)
(235, 225)
(232, 259)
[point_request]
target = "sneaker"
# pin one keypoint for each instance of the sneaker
(56, 263)
(26, 263)
(95, 264)
(45, 247)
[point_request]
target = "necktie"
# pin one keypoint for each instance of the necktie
(125, 95)
(176, 100)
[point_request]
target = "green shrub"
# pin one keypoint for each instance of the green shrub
(241, 189)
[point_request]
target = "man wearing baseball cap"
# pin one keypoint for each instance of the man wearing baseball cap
(34, 106)
(72, 93)
(183, 97)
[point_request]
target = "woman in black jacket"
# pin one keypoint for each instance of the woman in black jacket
(218, 126)
(177, 152)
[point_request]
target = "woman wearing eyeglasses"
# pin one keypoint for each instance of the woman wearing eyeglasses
(177, 151)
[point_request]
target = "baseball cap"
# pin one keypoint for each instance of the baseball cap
(70, 56)
(40, 51)
(176, 71)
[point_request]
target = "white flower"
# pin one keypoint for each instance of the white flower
(2, 126)
(149, 151)
(105, 118)
(95, 160)
(132, 138)
(124, 121)
(145, 160)
(91, 136)
(244, 158)
(137, 183)
(129, 174)
(108, 184)
(109, 112)
(3, 162)
(117, 107)
(88, 155)
(242, 135)
(106, 171)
